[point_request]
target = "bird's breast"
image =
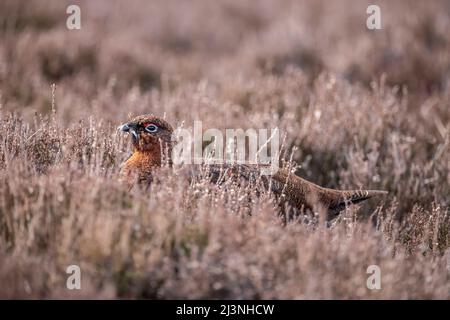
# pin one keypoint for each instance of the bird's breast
(140, 165)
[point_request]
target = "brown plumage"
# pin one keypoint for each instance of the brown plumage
(152, 146)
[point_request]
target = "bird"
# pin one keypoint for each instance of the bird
(152, 145)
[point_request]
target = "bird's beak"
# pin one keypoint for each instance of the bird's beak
(129, 128)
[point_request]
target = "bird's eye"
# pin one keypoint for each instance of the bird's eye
(151, 128)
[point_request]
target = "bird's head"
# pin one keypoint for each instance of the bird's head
(149, 133)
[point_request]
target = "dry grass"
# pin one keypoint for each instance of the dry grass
(362, 108)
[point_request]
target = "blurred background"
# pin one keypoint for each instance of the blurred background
(310, 67)
(164, 45)
(357, 107)
(360, 104)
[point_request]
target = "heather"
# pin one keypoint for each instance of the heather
(356, 108)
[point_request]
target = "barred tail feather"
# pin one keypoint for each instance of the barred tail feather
(353, 197)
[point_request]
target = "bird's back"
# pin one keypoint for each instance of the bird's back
(288, 187)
